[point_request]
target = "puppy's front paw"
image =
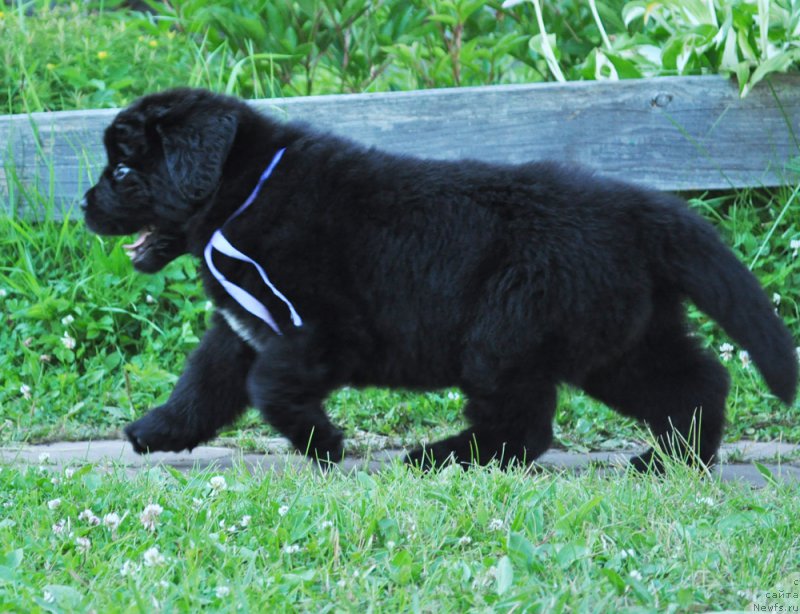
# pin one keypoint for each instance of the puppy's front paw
(327, 450)
(156, 432)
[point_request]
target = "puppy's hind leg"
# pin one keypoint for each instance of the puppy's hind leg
(674, 387)
(512, 424)
(209, 394)
(288, 383)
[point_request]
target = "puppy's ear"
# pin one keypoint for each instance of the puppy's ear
(195, 149)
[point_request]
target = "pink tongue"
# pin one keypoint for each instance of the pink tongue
(139, 242)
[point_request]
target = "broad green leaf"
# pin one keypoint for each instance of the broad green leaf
(12, 558)
(765, 472)
(633, 11)
(730, 55)
(604, 67)
(504, 575)
(742, 70)
(520, 549)
(450, 20)
(569, 554)
(66, 597)
(778, 63)
(615, 579)
(625, 68)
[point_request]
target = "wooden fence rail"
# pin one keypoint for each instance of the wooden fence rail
(675, 133)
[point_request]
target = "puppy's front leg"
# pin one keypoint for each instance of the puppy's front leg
(289, 380)
(209, 394)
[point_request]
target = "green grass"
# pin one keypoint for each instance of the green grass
(395, 541)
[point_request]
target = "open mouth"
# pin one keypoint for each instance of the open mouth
(138, 248)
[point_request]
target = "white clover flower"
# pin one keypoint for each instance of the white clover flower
(69, 472)
(127, 569)
(750, 595)
(149, 299)
(44, 458)
(245, 521)
(59, 527)
(795, 245)
(776, 298)
(341, 583)
(54, 504)
(291, 548)
(453, 396)
(83, 544)
(55, 481)
(112, 521)
(635, 574)
(217, 483)
(25, 391)
(390, 545)
(88, 516)
(67, 320)
(68, 342)
(744, 356)
(197, 504)
(283, 510)
(327, 524)
(222, 592)
(496, 524)
(152, 557)
(150, 516)
(465, 540)
(624, 554)
(726, 351)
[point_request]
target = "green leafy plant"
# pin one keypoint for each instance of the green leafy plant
(678, 37)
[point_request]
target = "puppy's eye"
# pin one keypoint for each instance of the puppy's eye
(120, 172)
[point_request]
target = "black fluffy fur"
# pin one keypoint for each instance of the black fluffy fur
(503, 280)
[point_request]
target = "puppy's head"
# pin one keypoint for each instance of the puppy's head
(165, 158)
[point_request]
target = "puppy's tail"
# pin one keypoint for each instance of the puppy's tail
(699, 263)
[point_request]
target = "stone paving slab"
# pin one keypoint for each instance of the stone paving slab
(782, 459)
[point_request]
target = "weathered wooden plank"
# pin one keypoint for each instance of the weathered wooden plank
(671, 133)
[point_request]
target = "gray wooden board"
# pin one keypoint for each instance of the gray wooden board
(674, 133)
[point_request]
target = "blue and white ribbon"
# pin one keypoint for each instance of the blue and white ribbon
(221, 244)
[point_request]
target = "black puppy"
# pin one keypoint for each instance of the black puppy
(378, 269)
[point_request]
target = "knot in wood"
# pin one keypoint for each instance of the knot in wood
(661, 100)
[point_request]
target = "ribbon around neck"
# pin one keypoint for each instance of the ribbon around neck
(220, 243)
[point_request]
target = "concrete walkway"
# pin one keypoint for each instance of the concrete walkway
(782, 459)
